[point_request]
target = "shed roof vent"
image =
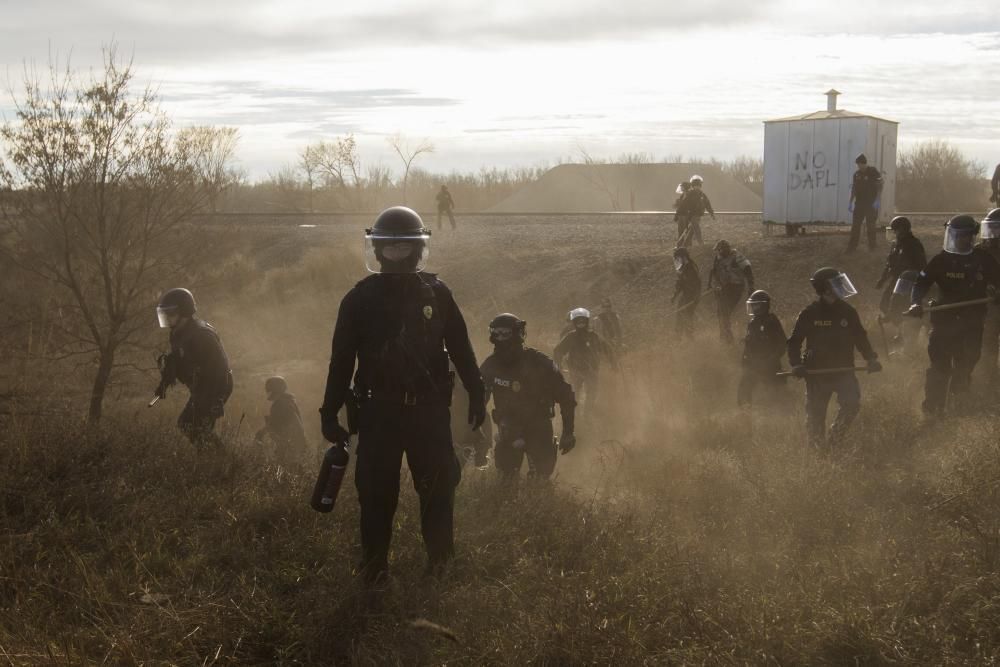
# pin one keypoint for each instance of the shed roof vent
(831, 100)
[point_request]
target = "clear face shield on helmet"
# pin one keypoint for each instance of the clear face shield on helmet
(755, 308)
(959, 241)
(890, 234)
(989, 230)
(501, 334)
(841, 286)
(396, 254)
(166, 316)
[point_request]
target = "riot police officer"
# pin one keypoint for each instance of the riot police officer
(731, 274)
(905, 260)
(962, 273)
(687, 292)
(609, 324)
(525, 386)
(283, 426)
(198, 361)
(831, 330)
(989, 241)
(905, 254)
(397, 324)
(763, 347)
(866, 191)
(584, 351)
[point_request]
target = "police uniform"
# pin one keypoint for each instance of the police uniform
(609, 327)
(397, 327)
(865, 188)
(955, 341)
(445, 205)
(693, 205)
(763, 347)
(525, 392)
(906, 254)
(583, 351)
(200, 364)
(831, 333)
(284, 425)
(731, 275)
(687, 293)
(991, 323)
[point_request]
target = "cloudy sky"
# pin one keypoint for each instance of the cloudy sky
(522, 82)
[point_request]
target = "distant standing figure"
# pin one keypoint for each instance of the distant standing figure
(681, 215)
(687, 292)
(696, 204)
(730, 275)
(866, 189)
(995, 184)
(609, 325)
(445, 206)
(284, 424)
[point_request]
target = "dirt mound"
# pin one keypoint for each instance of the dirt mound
(581, 188)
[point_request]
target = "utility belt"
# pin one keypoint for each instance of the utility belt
(409, 397)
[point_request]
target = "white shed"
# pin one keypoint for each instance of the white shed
(809, 164)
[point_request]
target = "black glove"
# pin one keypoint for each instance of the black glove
(799, 371)
(567, 442)
(477, 411)
(916, 310)
(874, 366)
(161, 391)
(332, 430)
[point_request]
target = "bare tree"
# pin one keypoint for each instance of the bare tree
(936, 176)
(339, 163)
(594, 173)
(98, 197)
(408, 153)
(309, 166)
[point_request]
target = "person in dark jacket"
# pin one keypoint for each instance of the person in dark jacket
(401, 325)
(283, 426)
(962, 273)
(731, 277)
(866, 189)
(989, 241)
(831, 331)
(905, 254)
(584, 352)
(695, 204)
(687, 292)
(995, 186)
(681, 215)
(763, 346)
(198, 361)
(525, 386)
(445, 206)
(609, 325)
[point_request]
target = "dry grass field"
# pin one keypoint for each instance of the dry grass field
(682, 530)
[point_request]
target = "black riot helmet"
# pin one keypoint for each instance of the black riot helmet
(723, 248)
(831, 280)
(759, 303)
(862, 159)
(507, 327)
(275, 386)
(900, 224)
(959, 233)
(174, 304)
(989, 228)
(398, 242)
